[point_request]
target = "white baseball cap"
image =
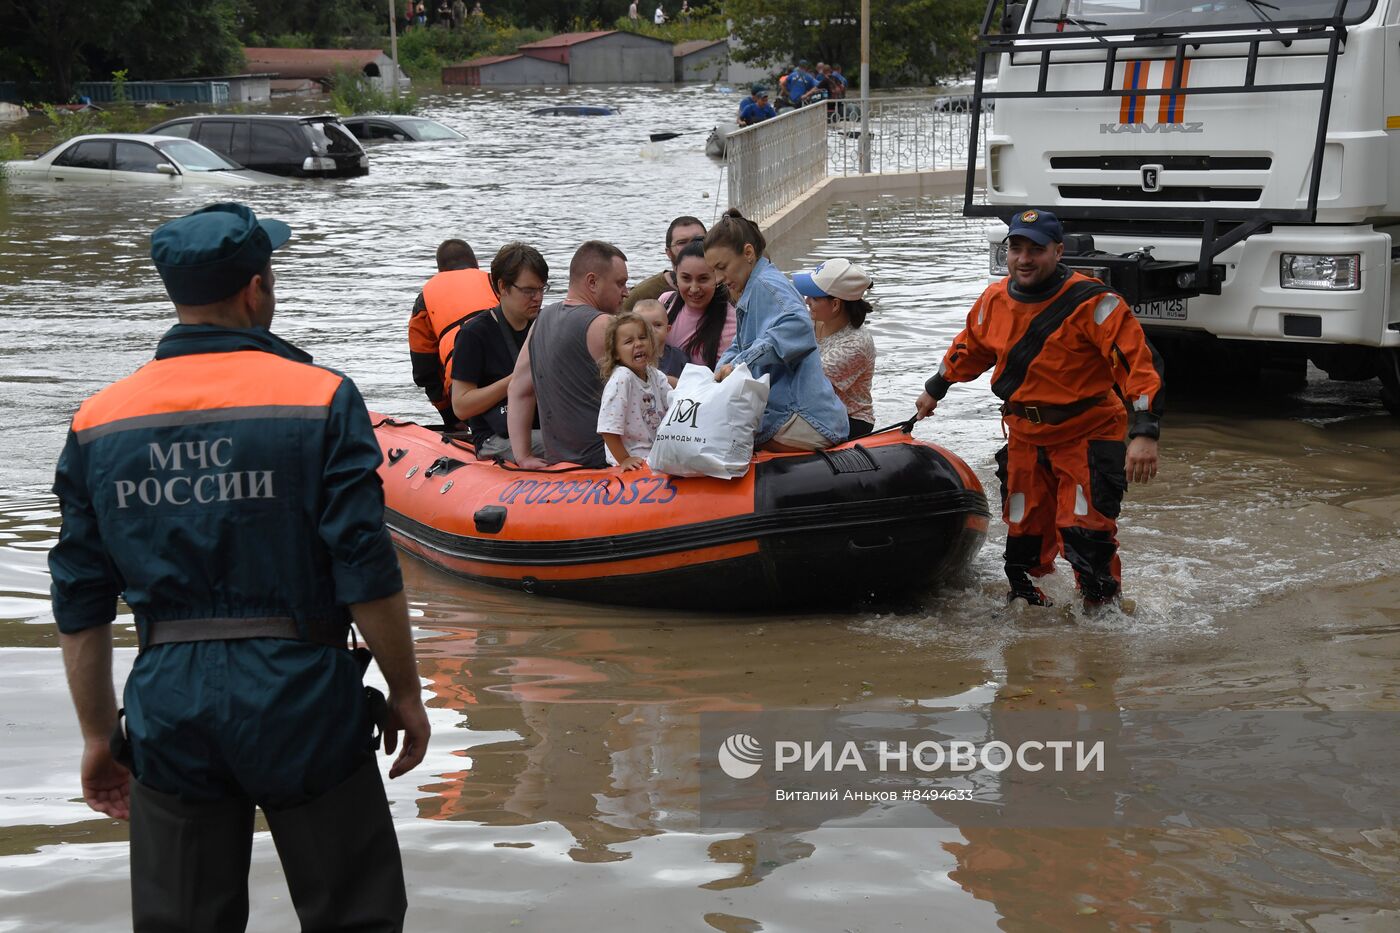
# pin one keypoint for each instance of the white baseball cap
(835, 278)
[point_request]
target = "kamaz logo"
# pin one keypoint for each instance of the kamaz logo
(1112, 129)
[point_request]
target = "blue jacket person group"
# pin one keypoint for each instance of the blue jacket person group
(228, 491)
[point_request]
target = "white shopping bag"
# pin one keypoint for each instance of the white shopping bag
(709, 428)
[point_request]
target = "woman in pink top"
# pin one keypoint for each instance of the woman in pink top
(702, 319)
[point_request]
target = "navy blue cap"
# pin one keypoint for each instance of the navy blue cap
(209, 255)
(760, 90)
(1041, 226)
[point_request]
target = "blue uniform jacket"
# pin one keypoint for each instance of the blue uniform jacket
(774, 335)
(752, 112)
(228, 480)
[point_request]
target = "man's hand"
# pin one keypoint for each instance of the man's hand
(406, 713)
(106, 784)
(924, 406)
(532, 463)
(1141, 462)
(723, 371)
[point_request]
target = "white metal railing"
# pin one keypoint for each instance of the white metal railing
(774, 162)
(771, 163)
(906, 134)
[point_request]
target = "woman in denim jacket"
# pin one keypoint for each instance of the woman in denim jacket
(774, 336)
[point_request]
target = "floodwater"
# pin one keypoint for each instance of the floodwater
(560, 790)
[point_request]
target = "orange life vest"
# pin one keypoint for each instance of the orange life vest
(451, 298)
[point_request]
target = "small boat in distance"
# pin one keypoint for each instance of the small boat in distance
(717, 142)
(576, 110)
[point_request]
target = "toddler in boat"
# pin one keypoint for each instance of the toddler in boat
(636, 394)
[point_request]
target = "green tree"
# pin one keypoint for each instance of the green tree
(56, 36)
(176, 40)
(911, 41)
(66, 41)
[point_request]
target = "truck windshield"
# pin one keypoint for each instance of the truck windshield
(1081, 16)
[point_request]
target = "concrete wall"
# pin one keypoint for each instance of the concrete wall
(805, 218)
(622, 58)
(250, 89)
(742, 74)
(709, 64)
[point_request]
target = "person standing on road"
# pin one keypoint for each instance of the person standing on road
(228, 491)
(1069, 360)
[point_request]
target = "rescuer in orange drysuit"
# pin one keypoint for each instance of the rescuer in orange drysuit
(1070, 360)
(459, 290)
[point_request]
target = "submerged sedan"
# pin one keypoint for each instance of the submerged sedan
(134, 159)
(398, 129)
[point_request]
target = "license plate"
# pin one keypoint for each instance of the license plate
(1164, 309)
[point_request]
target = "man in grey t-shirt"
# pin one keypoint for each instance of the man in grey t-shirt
(557, 370)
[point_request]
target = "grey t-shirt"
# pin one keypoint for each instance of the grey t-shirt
(568, 389)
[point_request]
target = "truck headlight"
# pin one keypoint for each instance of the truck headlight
(996, 264)
(1330, 273)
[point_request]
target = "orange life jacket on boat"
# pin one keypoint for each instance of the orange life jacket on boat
(449, 299)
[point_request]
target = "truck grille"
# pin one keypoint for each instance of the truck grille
(1182, 163)
(1200, 193)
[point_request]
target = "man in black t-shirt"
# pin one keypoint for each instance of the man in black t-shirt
(488, 344)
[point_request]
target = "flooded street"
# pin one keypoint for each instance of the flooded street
(560, 791)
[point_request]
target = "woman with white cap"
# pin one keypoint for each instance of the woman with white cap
(835, 293)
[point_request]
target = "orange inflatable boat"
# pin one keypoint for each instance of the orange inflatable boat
(868, 519)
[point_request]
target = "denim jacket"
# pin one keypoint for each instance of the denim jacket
(775, 336)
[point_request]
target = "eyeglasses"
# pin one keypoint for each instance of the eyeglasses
(532, 292)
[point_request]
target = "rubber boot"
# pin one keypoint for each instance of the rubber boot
(341, 857)
(1022, 556)
(189, 863)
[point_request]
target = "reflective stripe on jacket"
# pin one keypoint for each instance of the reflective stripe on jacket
(228, 479)
(448, 299)
(1097, 351)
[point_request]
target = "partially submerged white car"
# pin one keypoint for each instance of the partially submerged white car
(134, 159)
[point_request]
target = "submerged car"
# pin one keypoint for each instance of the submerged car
(301, 146)
(399, 129)
(134, 159)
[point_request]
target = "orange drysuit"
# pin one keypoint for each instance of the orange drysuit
(447, 300)
(1070, 361)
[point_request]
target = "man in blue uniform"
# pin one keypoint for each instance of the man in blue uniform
(228, 491)
(755, 108)
(799, 83)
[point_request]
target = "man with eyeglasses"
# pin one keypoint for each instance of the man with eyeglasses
(487, 347)
(459, 290)
(682, 232)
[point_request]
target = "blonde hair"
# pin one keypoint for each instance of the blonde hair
(648, 304)
(610, 362)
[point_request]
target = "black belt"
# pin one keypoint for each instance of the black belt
(1038, 413)
(168, 631)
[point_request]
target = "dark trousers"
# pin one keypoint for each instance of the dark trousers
(189, 861)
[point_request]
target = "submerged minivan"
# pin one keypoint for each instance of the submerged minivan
(302, 146)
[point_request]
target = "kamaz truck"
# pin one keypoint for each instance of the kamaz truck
(1232, 167)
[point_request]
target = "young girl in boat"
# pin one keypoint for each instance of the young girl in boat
(636, 394)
